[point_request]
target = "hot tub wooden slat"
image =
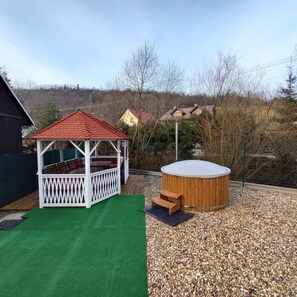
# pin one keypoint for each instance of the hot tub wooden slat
(218, 197)
(199, 194)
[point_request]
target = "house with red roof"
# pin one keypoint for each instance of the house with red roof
(132, 117)
(187, 112)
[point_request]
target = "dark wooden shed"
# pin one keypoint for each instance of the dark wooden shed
(13, 117)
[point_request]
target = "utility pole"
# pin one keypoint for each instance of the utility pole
(176, 140)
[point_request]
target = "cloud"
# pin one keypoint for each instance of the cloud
(85, 42)
(22, 66)
(67, 42)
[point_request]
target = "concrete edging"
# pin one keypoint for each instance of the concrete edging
(284, 190)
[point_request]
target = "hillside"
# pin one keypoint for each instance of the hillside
(107, 104)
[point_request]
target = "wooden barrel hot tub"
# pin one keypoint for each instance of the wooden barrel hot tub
(204, 185)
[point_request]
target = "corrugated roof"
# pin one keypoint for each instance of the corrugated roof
(80, 125)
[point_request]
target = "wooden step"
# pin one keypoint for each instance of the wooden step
(172, 206)
(162, 202)
(170, 194)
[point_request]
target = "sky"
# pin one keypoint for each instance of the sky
(85, 42)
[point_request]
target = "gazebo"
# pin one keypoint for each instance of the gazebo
(82, 181)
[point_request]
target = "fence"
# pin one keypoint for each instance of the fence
(18, 174)
(104, 185)
(246, 166)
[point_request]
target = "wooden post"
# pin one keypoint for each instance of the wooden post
(88, 189)
(119, 165)
(76, 153)
(39, 172)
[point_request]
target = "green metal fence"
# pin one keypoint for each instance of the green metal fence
(18, 173)
(17, 176)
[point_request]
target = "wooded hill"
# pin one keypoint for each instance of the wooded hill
(107, 104)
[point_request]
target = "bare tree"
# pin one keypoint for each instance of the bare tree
(144, 73)
(223, 77)
(24, 90)
(112, 106)
(172, 77)
(240, 118)
(225, 134)
(144, 77)
(140, 71)
(4, 73)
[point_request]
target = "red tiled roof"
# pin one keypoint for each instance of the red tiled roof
(80, 125)
(142, 115)
(187, 111)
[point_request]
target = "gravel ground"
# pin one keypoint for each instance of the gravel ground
(247, 249)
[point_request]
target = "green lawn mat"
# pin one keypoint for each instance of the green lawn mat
(99, 251)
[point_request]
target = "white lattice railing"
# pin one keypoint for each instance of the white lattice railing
(104, 184)
(63, 189)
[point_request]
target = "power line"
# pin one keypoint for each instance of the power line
(275, 77)
(271, 64)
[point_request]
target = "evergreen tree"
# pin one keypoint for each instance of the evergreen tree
(288, 97)
(49, 114)
(289, 92)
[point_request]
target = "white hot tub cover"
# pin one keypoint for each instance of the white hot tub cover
(195, 168)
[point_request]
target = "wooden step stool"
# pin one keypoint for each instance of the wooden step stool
(169, 200)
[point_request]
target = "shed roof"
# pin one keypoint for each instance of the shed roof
(13, 107)
(80, 125)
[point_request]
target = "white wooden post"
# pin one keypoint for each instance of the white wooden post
(125, 157)
(88, 189)
(119, 166)
(61, 156)
(39, 172)
(126, 161)
(127, 142)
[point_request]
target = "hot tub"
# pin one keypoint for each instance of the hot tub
(204, 185)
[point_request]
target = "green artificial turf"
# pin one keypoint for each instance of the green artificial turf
(100, 251)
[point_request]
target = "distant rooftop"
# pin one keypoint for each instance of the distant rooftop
(142, 115)
(186, 112)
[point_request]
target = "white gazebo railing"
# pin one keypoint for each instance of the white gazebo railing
(63, 190)
(84, 188)
(86, 179)
(104, 184)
